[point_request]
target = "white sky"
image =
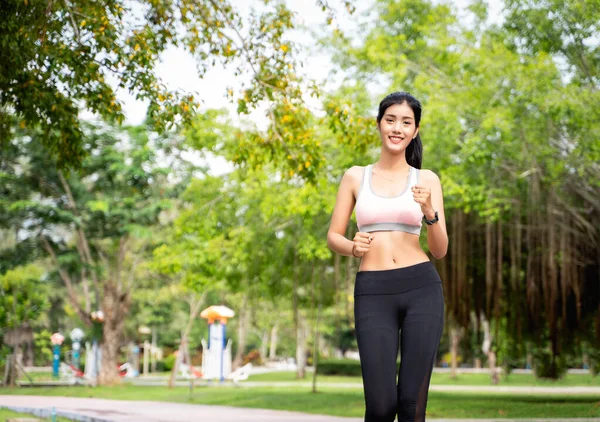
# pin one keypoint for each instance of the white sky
(177, 68)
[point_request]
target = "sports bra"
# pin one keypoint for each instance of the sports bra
(396, 213)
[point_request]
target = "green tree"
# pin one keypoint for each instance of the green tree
(514, 138)
(60, 56)
(94, 225)
(23, 301)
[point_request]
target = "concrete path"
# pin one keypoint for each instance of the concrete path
(101, 410)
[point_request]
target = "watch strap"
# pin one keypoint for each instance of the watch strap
(433, 221)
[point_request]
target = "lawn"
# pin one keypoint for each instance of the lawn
(439, 378)
(342, 402)
(5, 414)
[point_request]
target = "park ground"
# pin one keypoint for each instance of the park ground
(467, 396)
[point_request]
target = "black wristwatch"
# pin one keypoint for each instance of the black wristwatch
(430, 222)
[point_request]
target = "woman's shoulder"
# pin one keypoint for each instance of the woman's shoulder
(352, 179)
(355, 172)
(428, 176)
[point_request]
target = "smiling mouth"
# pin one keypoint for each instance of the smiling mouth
(395, 139)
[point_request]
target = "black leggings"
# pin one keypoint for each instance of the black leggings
(408, 300)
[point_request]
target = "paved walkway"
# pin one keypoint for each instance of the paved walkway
(101, 410)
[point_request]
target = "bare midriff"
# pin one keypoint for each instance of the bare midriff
(392, 249)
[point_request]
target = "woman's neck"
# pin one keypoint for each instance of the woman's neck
(393, 164)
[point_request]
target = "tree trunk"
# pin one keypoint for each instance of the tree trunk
(146, 358)
(493, 371)
(301, 347)
(298, 324)
(152, 356)
(242, 333)
(489, 267)
(111, 336)
(114, 307)
(498, 290)
(28, 357)
(488, 349)
(316, 351)
(264, 343)
(273, 345)
(11, 373)
(194, 309)
(454, 341)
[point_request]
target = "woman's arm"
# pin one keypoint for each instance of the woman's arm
(437, 237)
(344, 205)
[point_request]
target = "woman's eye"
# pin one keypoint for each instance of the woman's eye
(390, 121)
(406, 123)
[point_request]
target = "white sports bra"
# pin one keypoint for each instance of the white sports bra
(380, 213)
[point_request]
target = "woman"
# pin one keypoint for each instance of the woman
(398, 293)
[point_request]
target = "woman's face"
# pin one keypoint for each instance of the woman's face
(397, 127)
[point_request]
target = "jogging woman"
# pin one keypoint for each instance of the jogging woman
(398, 295)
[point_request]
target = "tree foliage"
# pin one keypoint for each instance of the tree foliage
(510, 126)
(61, 56)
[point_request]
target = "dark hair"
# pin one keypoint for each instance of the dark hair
(414, 150)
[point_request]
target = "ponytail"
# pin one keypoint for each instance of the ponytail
(414, 152)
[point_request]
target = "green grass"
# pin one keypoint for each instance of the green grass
(342, 402)
(38, 376)
(437, 378)
(5, 414)
(570, 380)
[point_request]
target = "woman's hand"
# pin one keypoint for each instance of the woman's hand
(362, 243)
(422, 195)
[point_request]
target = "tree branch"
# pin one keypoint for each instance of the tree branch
(73, 24)
(85, 317)
(87, 255)
(120, 258)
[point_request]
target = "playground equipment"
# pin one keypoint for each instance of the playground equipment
(241, 373)
(56, 339)
(188, 371)
(76, 337)
(69, 373)
(93, 358)
(127, 370)
(216, 355)
(93, 353)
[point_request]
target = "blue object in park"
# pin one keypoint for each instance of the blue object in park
(53, 414)
(55, 360)
(76, 358)
(223, 351)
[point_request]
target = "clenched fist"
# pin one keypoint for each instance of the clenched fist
(362, 243)
(422, 196)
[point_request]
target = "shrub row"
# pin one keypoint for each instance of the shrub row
(339, 367)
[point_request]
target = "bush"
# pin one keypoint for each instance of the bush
(447, 357)
(548, 366)
(339, 367)
(168, 362)
(253, 357)
(43, 348)
(594, 361)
